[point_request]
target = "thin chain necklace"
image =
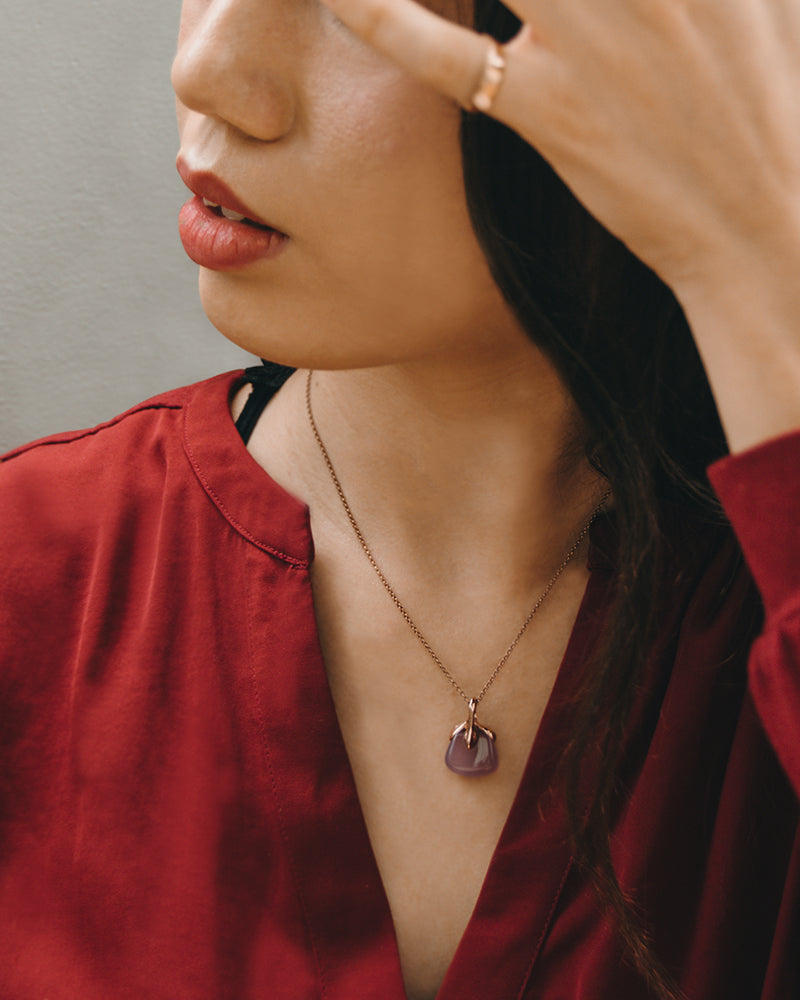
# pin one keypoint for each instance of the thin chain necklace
(472, 748)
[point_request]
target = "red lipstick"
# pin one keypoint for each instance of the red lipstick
(220, 241)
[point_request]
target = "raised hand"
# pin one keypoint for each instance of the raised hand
(677, 124)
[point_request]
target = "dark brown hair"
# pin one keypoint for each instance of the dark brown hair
(622, 346)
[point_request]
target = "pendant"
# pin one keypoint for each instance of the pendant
(472, 750)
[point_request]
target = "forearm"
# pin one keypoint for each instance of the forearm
(745, 316)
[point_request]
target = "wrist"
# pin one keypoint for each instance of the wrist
(744, 312)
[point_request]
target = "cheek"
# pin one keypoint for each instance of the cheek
(387, 136)
(389, 216)
(361, 100)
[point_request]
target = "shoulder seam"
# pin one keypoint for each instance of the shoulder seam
(70, 437)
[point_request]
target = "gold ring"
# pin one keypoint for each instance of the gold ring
(493, 71)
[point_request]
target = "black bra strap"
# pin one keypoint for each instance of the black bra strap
(266, 379)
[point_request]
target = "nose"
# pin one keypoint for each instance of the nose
(233, 63)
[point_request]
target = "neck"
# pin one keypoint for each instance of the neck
(444, 465)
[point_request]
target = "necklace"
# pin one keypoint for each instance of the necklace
(472, 748)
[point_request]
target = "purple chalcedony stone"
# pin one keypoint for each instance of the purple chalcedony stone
(480, 759)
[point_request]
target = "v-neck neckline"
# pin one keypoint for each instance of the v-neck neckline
(333, 865)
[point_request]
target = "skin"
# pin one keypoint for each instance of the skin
(662, 118)
(446, 426)
(359, 164)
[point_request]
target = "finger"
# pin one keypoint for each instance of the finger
(447, 56)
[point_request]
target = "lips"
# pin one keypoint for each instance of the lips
(221, 244)
(220, 232)
(216, 192)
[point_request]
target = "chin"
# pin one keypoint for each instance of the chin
(298, 325)
(298, 337)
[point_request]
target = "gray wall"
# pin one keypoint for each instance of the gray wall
(98, 303)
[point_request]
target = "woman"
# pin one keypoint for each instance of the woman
(438, 686)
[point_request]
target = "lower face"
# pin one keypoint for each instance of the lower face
(370, 257)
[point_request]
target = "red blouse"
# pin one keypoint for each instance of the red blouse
(178, 817)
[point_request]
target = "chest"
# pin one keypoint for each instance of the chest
(433, 840)
(433, 832)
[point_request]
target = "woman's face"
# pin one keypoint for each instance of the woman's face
(288, 117)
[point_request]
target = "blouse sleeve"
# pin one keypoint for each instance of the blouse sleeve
(760, 490)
